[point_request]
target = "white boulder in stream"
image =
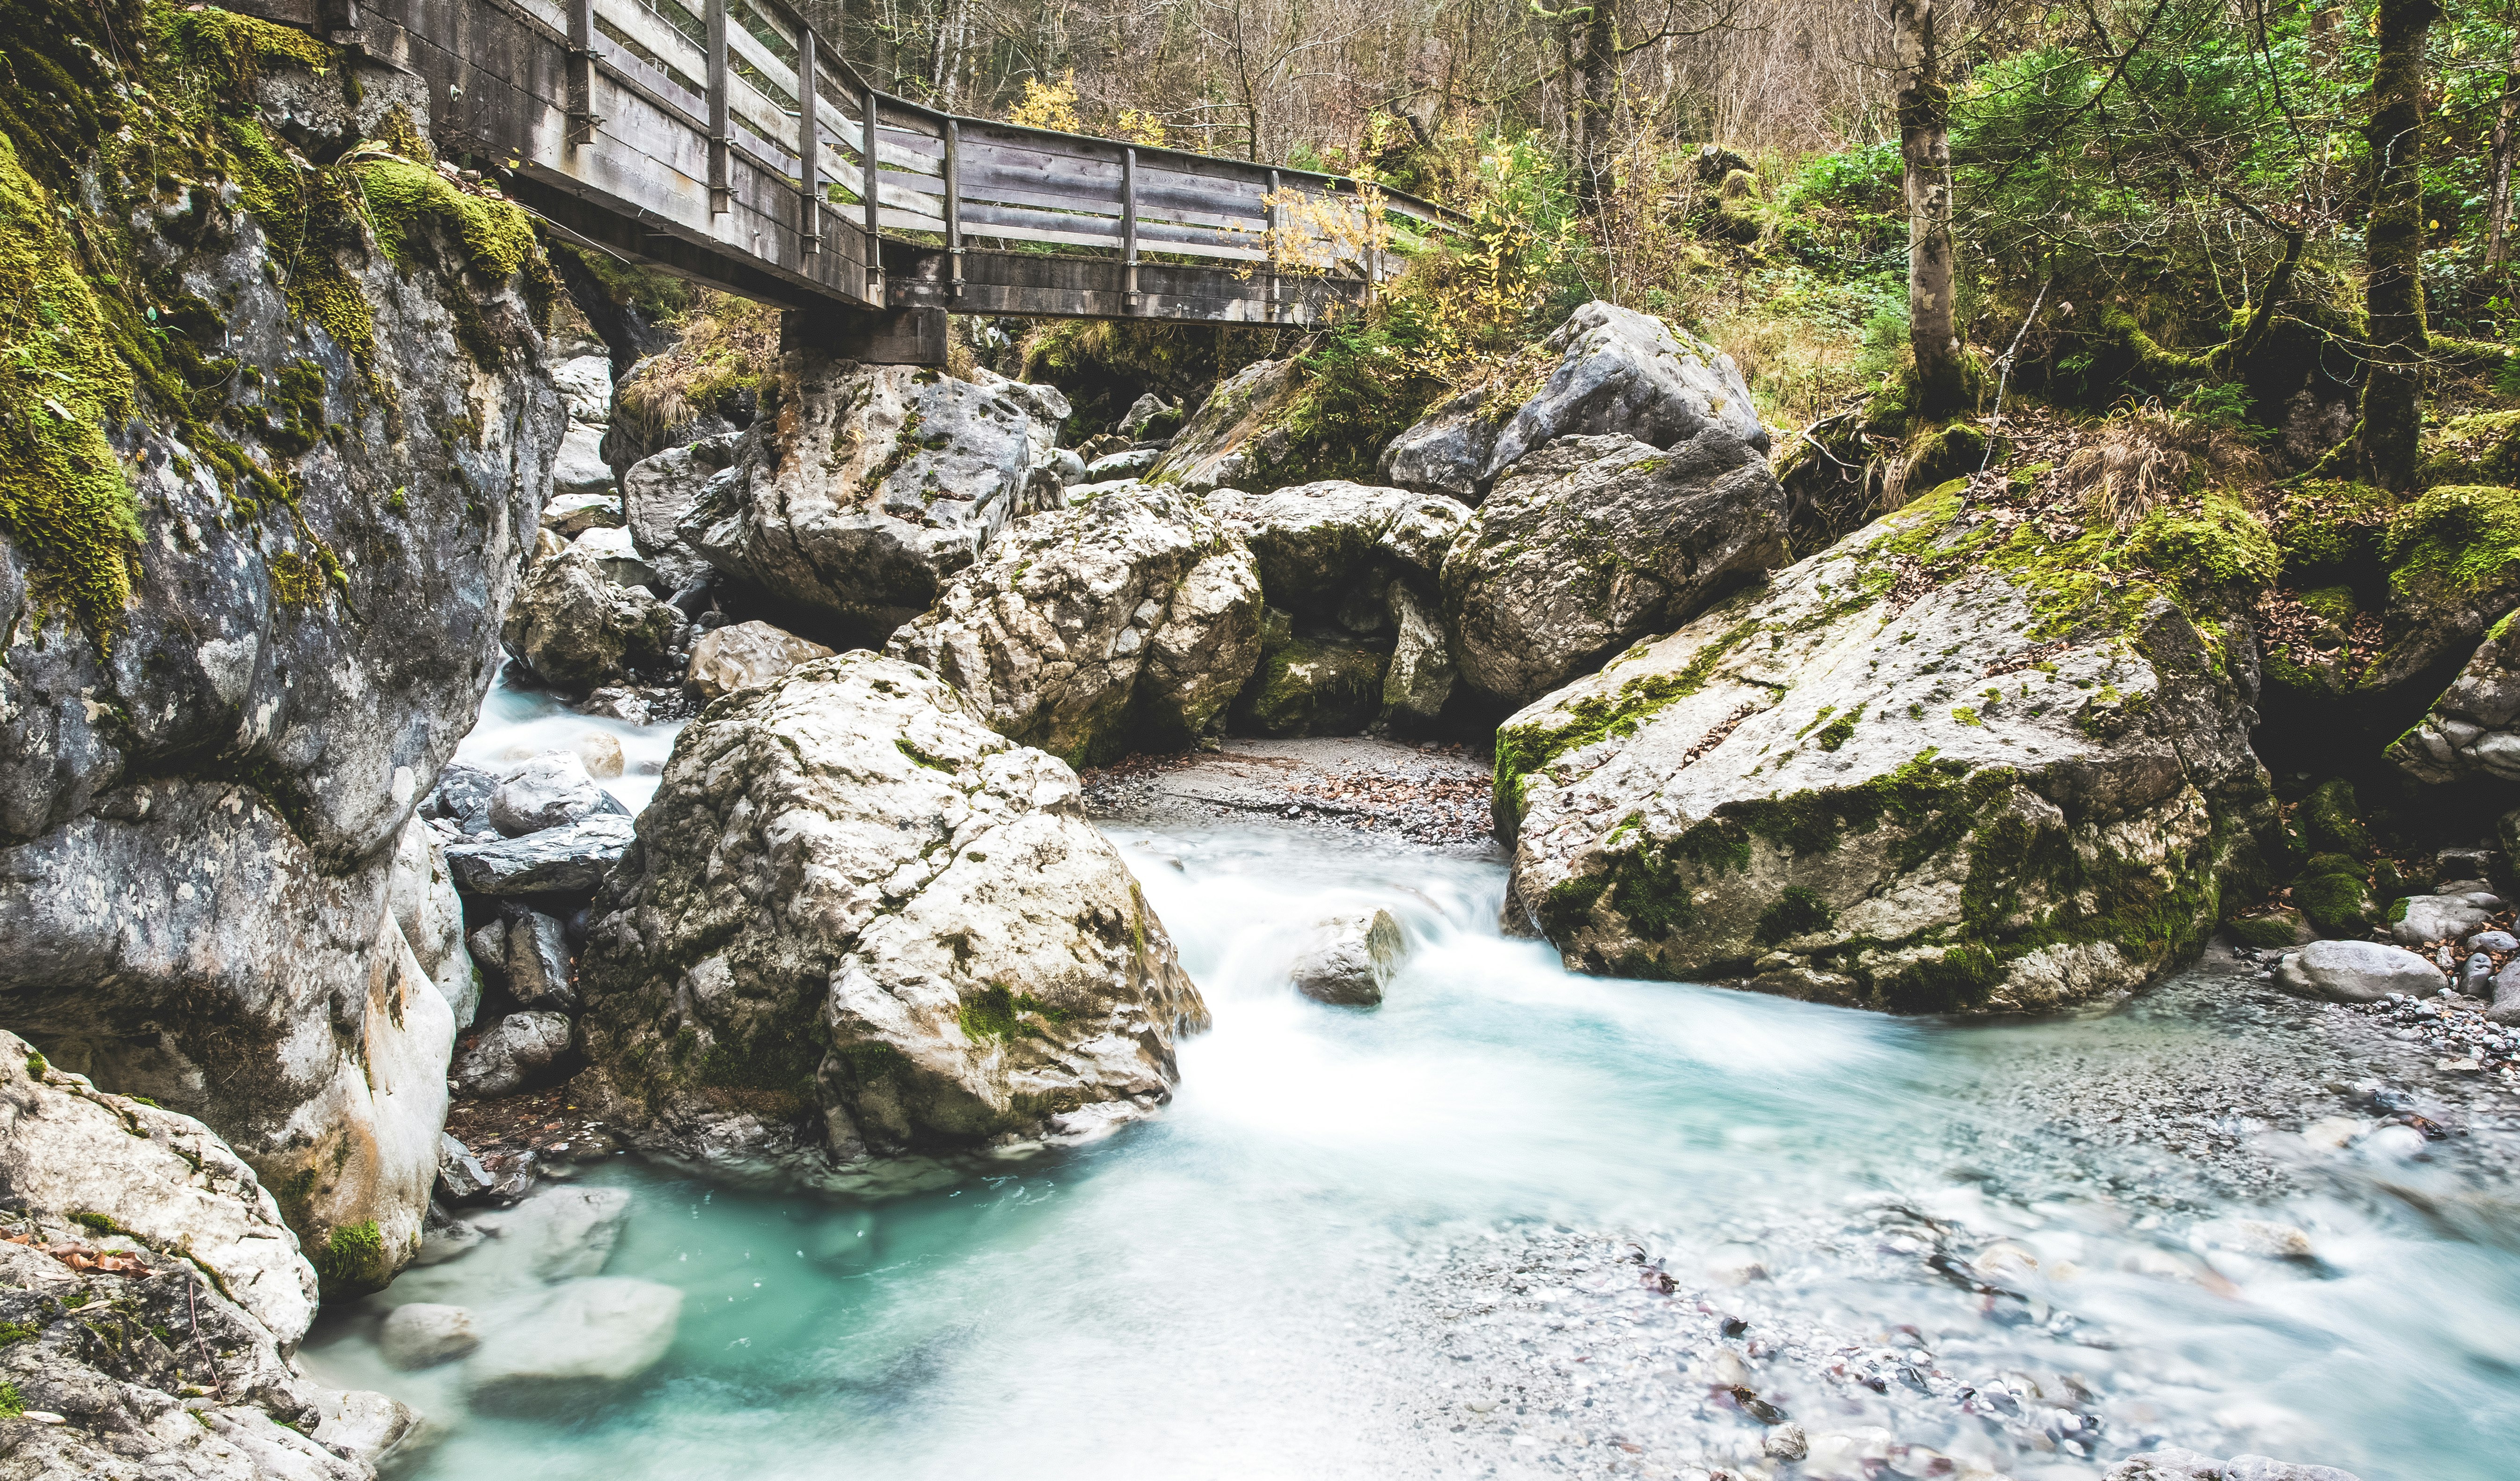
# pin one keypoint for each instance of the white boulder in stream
(1128, 621)
(1351, 959)
(857, 919)
(1939, 767)
(586, 1337)
(2357, 971)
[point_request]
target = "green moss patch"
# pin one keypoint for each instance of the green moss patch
(352, 1259)
(2454, 541)
(65, 500)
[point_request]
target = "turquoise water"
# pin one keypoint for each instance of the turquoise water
(1279, 1276)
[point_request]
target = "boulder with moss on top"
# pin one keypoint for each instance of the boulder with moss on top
(1955, 763)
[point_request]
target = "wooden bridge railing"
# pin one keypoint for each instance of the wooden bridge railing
(726, 140)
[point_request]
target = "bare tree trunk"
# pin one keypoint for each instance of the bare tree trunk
(2498, 212)
(2394, 247)
(1924, 103)
(1591, 92)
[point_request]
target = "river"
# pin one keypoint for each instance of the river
(1433, 1239)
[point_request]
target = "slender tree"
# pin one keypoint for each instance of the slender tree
(2394, 246)
(1924, 105)
(2497, 210)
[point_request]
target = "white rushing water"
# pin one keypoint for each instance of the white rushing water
(1390, 1244)
(517, 723)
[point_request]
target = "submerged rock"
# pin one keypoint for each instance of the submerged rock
(1619, 373)
(873, 485)
(1929, 760)
(586, 1337)
(1125, 622)
(1593, 541)
(2171, 1464)
(1351, 959)
(858, 919)
(745, 655)
(425, 1334)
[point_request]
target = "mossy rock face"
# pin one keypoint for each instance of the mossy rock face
(1952, 760)
(351, 1260)
(2334, 894)
(2328, 822)
(1306, 686)
(2276, 930)
(261, 502)
(2484, 448)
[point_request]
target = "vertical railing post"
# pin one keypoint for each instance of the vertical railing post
(954, 203)
(809, 142)
(1129, 226)
(720, 186)
(866, 192)
(1277, 208)
(581, 72)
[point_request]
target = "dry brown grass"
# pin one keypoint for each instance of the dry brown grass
(726, 344)
(2141, 460)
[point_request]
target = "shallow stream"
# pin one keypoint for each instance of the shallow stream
(1431, 1239)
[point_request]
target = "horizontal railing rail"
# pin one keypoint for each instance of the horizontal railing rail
(742, 72)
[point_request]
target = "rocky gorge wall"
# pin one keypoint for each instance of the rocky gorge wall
(275, 440)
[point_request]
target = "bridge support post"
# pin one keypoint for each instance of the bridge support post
(871, 335)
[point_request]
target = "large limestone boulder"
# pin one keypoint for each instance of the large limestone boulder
(874, 484)
(658, 493)
(2357, 971)
(1941, 766)
(576, 629)
(1238, 436)
(1619, 373)
(152, 1296)
(1125, 622)
(1593, 541)
(165, 1180)
(745, 655)
(857, 919)
(212, 737)
(2472, 732)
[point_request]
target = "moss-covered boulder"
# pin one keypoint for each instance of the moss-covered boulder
(2329, 820)
(1239, 436)
(2334, 892)
(2378, 604)
(1961, 761)
(1328, 683)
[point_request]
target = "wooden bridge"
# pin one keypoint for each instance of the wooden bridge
(724, 140)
